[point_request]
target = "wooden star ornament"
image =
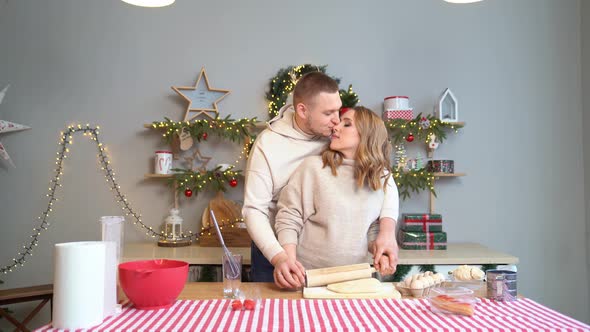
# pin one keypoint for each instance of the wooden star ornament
(202, 98)
(197, 156)
(6, 127)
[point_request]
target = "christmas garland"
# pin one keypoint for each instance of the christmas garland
(422, 127)
(349, 98)
(191, 181)
(413, 181)
(234, 130)
(281, 85)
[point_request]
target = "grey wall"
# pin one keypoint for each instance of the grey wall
(585, 14)
(515, 67)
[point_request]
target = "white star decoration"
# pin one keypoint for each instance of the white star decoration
(202, 99)
(6, 127)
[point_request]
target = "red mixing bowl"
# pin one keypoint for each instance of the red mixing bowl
(153, 284)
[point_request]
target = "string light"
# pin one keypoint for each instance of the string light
(66, 139)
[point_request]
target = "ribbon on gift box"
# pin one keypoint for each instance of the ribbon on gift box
(429, 237)
(424, 221)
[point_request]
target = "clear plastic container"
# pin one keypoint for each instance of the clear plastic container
(452, 300)
(473, 285)
(415, 292)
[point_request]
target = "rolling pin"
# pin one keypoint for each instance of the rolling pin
(330, 275)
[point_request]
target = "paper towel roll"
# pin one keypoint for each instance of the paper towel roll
(79, 284)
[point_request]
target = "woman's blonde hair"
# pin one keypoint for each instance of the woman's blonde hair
(372, 154)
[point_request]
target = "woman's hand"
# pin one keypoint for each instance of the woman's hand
(384, 248)
(288, 273)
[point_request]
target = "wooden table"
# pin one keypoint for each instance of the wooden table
(456, 254)
(43, 293)
(214, 290)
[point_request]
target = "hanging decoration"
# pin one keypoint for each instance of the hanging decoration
(66, 140)
(215, 178)
(282, 84)
(410, 137)
(6, 127)
(202, 98)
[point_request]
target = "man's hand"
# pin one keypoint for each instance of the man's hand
(384, 248)
(288, 273)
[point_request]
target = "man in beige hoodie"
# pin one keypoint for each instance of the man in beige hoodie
(299, 130)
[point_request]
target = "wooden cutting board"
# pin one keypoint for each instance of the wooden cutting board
(387, 291)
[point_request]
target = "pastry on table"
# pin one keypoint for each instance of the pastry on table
(467, 273)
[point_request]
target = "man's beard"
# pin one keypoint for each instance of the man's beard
(315, 132)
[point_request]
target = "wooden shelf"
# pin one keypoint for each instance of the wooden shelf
(158, 176)
(447, 175)
(460, 123)
(456, 254)
(257, 125)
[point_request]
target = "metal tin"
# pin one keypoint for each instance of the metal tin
(501, 285)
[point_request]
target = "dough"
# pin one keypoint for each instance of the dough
(368, 285)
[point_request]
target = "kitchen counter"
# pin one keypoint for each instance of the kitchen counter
(456, 254)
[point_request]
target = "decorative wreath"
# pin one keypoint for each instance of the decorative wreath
(281, 85)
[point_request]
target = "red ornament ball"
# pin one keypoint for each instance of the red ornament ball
(233, 182)
(188, 192)
(205, 135)
(410, 138)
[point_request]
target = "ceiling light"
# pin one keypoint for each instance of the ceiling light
(150, 3)
(462, 1)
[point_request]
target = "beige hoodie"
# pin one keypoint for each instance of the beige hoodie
(275, 155)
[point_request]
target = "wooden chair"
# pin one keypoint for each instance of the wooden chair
(25, 294)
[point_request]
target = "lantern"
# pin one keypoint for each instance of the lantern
(173, 231)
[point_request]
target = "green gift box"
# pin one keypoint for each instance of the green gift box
(423, 240)
(422, 222)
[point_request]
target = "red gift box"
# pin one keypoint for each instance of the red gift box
(405, 114)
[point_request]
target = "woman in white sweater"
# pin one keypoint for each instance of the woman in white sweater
(337, 205)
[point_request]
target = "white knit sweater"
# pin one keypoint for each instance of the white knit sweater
(329, 218)
(276, 153)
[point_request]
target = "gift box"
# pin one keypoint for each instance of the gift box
(423, 240)
(441, 166)
(403, 114)
(422, 222)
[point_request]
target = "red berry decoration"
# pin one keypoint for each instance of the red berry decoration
(233, 182)
(205, 136)
(188, 192)
(249, 304)
(236, 305)
(410, 138)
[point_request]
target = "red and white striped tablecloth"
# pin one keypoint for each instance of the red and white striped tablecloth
(329, 315)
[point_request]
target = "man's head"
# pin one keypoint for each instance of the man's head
(317, 103)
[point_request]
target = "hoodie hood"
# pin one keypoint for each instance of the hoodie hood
(284, 125)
